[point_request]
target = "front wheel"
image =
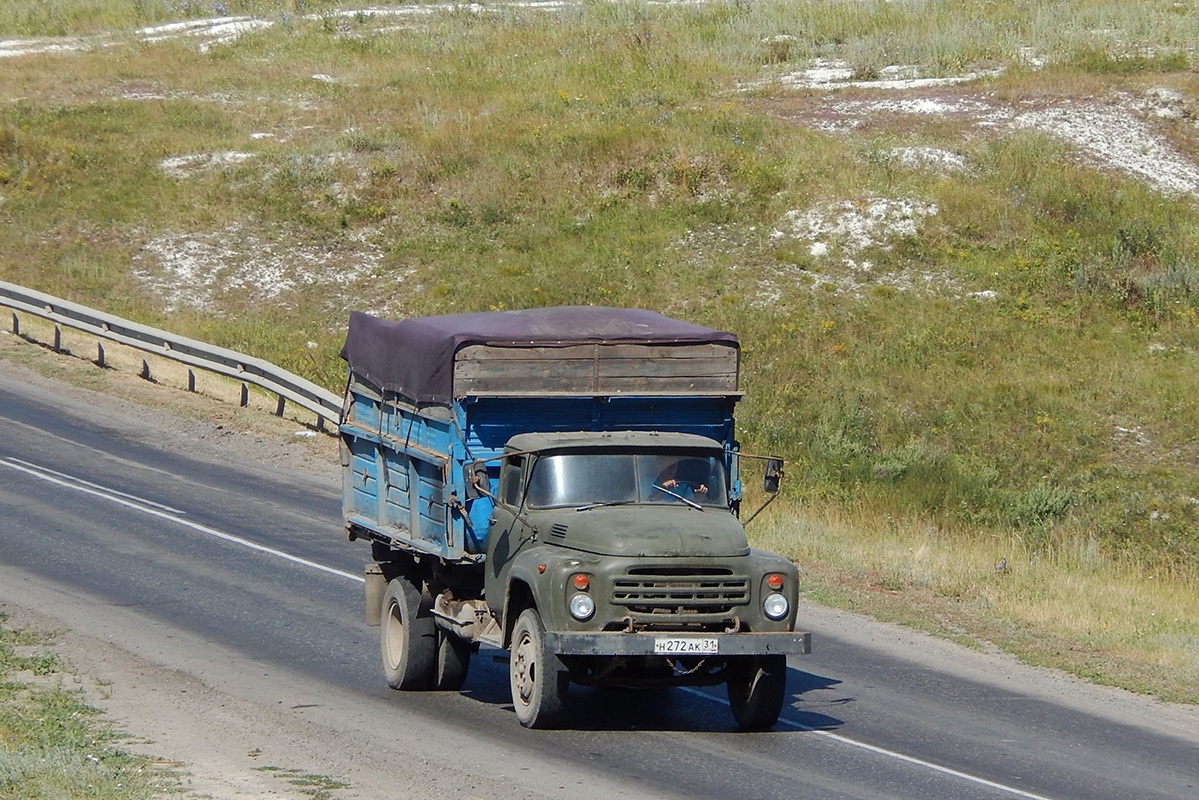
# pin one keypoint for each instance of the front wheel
(757, 687)
(539, 679)
(407, 637)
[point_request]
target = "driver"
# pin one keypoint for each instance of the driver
(687, 478)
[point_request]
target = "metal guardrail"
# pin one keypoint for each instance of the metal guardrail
(248, 370)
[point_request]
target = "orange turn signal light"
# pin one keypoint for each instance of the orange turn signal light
(774, 581)
(582, 582)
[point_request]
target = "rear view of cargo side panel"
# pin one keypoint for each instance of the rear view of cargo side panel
(398, 465)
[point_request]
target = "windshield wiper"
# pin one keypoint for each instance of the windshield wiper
(686, 500)
(590, 506)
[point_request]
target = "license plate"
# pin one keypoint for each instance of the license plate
(682, 646)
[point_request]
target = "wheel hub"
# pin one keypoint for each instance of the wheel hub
(524, 663)
(395, 637)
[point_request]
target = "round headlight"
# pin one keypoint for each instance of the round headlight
(775, 606)
(582, 607)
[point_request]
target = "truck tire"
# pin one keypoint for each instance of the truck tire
(407, 637)
(539, 679)
(757, 687)
(453, 661)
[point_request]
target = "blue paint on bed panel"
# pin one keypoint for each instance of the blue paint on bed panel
(396, 511)
(491, 422)
(424, 438)
(426, 457)
(363, 485)
(363, 413)
(428, 495)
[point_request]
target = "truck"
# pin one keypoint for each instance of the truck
(563, 484)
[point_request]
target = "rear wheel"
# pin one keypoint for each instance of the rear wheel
(407, 637)
(539, 679)
(453, 662)
(757, 687)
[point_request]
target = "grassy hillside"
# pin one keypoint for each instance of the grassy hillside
(973, 337)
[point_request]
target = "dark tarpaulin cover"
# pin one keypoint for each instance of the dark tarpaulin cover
(415, 357)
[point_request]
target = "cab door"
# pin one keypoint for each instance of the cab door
(507, 531)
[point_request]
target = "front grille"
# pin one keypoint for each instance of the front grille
(676, 591)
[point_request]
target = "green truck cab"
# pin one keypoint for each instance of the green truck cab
(571, 493)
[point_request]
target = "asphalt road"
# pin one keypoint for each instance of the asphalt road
(236, 575)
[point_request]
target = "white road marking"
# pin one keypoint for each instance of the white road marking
(882, 751)
(154, 509)
(74, 481)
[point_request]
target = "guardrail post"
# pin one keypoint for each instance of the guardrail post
(158, 343)
(280, 406)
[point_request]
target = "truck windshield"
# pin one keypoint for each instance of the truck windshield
(579, 479)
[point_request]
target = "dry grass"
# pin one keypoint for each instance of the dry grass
(51, 742)
(1070, 607)
(1015, 371)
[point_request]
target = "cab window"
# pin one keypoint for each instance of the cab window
(510, 475)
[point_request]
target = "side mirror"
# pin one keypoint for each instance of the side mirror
(774, 475)
(474, 481)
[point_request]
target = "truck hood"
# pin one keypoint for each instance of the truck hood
(658, 531)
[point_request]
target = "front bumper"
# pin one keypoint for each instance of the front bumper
(642, 644)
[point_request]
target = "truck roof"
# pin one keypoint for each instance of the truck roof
(415, 357)
(537, 442)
